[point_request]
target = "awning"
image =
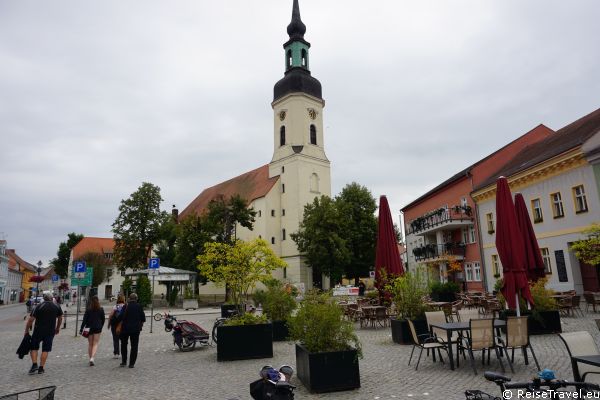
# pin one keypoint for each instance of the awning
(166, 274)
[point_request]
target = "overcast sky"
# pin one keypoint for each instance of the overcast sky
(97, 97)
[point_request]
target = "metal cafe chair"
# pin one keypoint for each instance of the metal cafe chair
(517, 336)
(481, 338)
(424, 342)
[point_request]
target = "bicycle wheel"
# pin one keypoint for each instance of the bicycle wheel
(158, 316)
(218, 322)
(187, 344)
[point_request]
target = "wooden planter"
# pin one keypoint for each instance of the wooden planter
(401, 330)
(244, 342)
(280, 331)
(190, 304)
(329, 371)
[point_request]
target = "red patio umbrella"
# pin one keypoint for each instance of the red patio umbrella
(511, 249)
(533, 256)
(387, 255)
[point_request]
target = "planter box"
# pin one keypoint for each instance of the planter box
(228, 309)
(329, 371)
(244, 342)
(549, 321)
(449, 297)
(401, 330)
(280, 331)
(190, 304)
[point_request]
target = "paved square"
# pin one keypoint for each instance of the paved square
(163, 372)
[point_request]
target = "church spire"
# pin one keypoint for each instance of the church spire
(297, 72)
(296, 29)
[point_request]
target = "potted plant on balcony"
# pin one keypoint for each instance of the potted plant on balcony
(241, 266)
(407, 293)
(327, 348)
(278, 302)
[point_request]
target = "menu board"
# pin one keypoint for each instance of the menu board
(561, 268)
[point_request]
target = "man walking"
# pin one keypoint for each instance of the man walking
(47, 317)
(133, 319)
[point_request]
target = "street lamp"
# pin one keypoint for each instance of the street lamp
(37, 285)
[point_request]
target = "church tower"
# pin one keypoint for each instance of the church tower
(299, 150)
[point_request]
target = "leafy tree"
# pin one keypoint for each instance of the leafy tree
(239, 265)
(192, 233)
(144, 290)
(127, 285)
(165, 247)
(99, 263)
(588, 250)
(137, 227)
(61, 261)
(223, 215)
(320, 238)
(357, 207)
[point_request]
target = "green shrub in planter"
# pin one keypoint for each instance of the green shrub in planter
(444, 291)
(320, 327)
(246, 319)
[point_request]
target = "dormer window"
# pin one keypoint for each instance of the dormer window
(282, 136)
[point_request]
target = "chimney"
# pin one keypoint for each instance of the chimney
(175, 213)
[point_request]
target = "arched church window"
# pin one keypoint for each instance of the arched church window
(304, 58)
(313, 134)
(314, 183)
(289, 59)
(282, 136)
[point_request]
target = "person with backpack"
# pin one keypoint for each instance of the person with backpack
(93, 321)
(113, 318)
(132, 320)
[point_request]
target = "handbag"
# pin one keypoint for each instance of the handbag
(85, 332)
(118, 327)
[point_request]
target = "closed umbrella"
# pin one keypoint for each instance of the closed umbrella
(387, 255)
(511, 249)
(533, 256)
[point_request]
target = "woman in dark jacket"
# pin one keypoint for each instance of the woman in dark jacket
(93, 319)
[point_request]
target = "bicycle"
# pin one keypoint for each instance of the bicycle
(219, 322)
(544, 386)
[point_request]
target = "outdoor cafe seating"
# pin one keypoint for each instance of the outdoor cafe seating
(591, 299)
(585, 357)
(517, 336)
(424, 342)
(481, 337)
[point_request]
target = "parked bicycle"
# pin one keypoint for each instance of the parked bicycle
(544, 386)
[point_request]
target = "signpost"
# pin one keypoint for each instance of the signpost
(153, 268)
(79, 269)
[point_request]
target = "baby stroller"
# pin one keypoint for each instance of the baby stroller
(273, 384)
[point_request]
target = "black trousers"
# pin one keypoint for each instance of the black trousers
(135, 338)
(116, 340)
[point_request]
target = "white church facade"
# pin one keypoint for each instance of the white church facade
(299, 170)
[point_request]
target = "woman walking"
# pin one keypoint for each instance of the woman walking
(94, 320)
(113, 322)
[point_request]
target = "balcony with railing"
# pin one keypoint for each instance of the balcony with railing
(441, 219)
(432, 251)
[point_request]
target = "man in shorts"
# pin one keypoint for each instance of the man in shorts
(47, 317)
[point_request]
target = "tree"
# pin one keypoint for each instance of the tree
(223, 215)
(356, 205)
(98, 262)
(320, 238)
(165, 247)
(126, 286)
(144, 290)
(588, 250)
(239, 265)
(61, 261)
(192, 233)
(137, 227)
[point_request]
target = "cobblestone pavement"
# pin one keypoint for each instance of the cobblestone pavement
(162, 372)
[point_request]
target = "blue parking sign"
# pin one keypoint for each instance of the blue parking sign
(55, 278)
(80, 266)
(154, 263)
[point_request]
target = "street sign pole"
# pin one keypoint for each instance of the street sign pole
(79, 271)
(152, 305)
(78, 303)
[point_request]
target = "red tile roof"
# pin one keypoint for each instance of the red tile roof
(565, 139)
(14, 259)
(93, 245)
(250, 186)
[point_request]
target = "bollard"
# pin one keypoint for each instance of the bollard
(65, 320)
